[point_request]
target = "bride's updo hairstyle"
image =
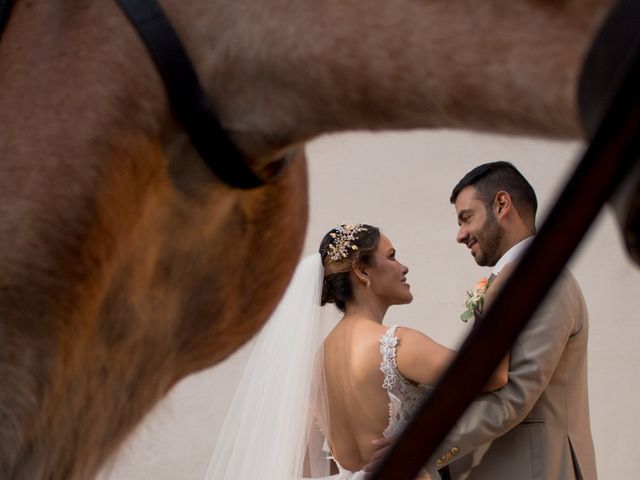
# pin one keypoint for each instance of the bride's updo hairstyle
(340, 249)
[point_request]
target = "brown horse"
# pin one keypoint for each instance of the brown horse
(125, 264)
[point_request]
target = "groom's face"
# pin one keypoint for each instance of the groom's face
(479, 229)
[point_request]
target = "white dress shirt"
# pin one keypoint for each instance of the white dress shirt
(512, 254)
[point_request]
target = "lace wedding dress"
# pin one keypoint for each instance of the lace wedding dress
(404, 397)
(271, 431)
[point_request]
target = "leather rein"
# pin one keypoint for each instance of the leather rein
(5, 10)
(189, 102)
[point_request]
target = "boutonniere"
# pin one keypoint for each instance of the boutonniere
(475, 299)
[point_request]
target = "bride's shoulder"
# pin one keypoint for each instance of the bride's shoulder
(415, 344)
(365, 328)
(407, 334)
(361, 335)
(419, 357)
(404, 335)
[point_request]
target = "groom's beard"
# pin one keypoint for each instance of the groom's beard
(489, 240)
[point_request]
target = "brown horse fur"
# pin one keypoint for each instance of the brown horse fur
(125, 264)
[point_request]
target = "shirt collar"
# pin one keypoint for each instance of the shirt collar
(512, 254)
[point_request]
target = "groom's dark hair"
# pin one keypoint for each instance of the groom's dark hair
(490, 178)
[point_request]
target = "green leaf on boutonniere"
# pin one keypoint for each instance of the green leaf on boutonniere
(475, 299)
(466, 315)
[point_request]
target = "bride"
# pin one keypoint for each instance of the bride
(310, 404)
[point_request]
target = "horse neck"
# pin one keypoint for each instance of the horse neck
(117, 277)
(284, 72)
(69, 110)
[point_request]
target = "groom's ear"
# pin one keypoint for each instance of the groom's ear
(502, 204)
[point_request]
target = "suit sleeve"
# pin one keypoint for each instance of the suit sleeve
(534, 358)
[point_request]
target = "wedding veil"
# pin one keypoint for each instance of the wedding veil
(271, 431)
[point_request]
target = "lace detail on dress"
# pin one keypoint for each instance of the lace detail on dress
(388, 343)
(404, 395)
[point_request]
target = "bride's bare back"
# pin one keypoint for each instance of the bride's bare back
(359, 406)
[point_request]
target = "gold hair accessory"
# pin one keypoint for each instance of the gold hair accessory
(341, 245)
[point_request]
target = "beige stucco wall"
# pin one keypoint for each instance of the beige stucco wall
(401, 182)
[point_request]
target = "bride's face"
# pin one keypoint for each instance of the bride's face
(387, 276)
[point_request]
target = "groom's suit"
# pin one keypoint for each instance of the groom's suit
(537, 426)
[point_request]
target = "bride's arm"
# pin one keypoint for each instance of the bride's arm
(500, 376)
(423, 360)
(420, 358)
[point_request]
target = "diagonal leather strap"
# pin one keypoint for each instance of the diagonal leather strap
(609, 60)
(188, 100)
(5, 11)
(613, 151)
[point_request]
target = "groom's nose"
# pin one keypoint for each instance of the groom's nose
(462, 235)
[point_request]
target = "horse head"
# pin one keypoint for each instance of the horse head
(127, 263)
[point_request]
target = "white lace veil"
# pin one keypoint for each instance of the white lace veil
(270, 432)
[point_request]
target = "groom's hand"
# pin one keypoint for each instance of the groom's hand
(381, 448)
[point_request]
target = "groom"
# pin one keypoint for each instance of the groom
(537, 426)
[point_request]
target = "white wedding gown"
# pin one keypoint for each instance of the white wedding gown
(404, 397)
(271, 430)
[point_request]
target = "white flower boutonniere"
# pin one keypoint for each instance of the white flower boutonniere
(475, 299)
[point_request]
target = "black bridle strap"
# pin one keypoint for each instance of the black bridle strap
(612, 154)
(604, 69)
(188, 100)
(5, 11)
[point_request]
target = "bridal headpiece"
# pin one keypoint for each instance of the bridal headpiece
(342, 244)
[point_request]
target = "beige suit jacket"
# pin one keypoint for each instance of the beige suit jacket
(537, 426)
